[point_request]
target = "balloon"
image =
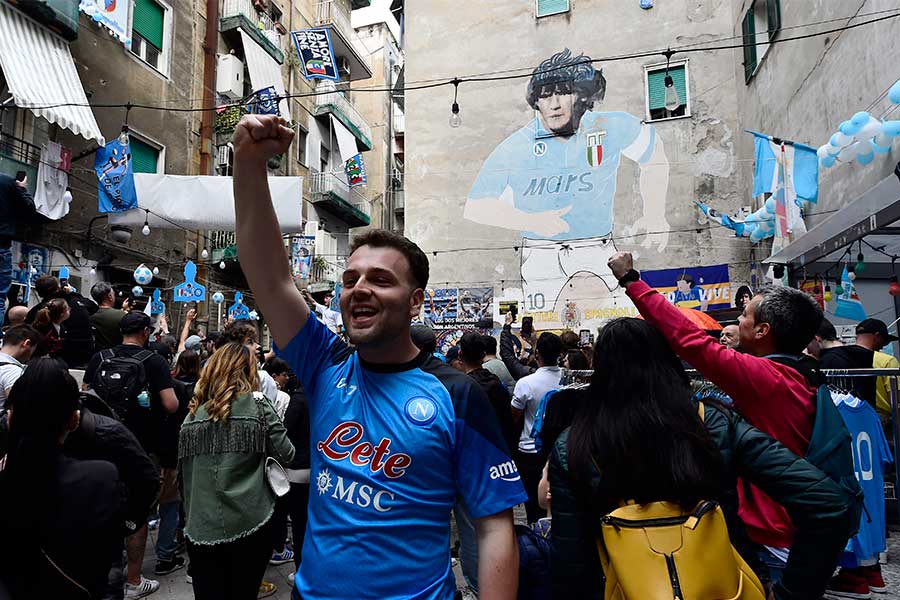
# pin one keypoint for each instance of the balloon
(137, 291)
(865, 159)
(218, 297)
(870, 130)
(770, 205)
(891, 128)
(757, 235)
(828, 161)
(839, 139)
(883, 140)
(822, 151)
(849, 153)
(894, 93)
(143, 275)
(848, 128)
(879, 149)
(860, 118)
(833, 151)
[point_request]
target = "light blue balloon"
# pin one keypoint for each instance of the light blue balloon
(894, 94)
(770, 204)
(757, 235)
(880, 149)
(834, 141)
(860, 118)
(865, 159)
(828, 161)
(848, 128)
(891, 128)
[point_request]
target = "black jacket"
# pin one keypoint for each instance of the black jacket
(823, 512)
(78, 345)
(103, 438)
(499, 398)
(508, 355)
(16, 207)
(296, 421)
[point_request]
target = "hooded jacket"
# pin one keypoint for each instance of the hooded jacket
(499, 398)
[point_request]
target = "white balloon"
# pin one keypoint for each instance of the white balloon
(849, 153)
(883, 140)
(822, 151)
(840, 139)
(870, 130)
(833, 150)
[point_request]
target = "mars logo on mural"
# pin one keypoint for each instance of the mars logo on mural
(554, 180)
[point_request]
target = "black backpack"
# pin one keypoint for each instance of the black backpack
(119, 380)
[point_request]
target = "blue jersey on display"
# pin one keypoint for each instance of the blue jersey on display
(871, 455)
(548, 172)
(393, 447)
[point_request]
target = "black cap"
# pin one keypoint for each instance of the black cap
(452, 353)
(875, 326)
(423, 337)
(134, 322)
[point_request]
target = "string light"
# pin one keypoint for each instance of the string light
(123, 137)
(894, 289)
(205, 254)
(455, 119)
(156, 270)
(146, 228)
(672, 101)
(860, 261)
(827, 297)
(222, 265)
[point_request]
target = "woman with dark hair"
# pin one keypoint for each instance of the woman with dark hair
(638, 436)
(61, 518)
(742, 297)
(187, 367)
(49, 322)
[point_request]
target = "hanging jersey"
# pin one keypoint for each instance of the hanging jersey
(548, 172)
(871, 455)
(393, 447)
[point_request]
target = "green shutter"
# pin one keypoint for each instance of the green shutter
(147, 21)
(656, 86)
(748, 29)
(144, 158)
(551, 7)
(773, 14)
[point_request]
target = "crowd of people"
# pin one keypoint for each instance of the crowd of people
(370, 442)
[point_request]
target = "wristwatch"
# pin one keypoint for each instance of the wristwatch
(631, 275)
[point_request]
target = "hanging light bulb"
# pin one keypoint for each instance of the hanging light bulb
(93, 271)
(827, 296)
(894, 289)
(146, 228)
(222, 265)
(156, 270)
(205, 254)
(851, 272)
(672, 101)
(123, 137)
(455, 119)
(860, 264)
(839, 290)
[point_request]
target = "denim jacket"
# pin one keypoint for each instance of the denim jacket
(226, 496)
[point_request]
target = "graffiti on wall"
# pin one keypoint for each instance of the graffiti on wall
(554, 181)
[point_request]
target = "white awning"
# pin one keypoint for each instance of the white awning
(41, 74)
(264, 71)
(205, 202)
(346, 140)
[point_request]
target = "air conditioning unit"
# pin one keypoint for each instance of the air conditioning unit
(223, 155)
(343, 65)
(230, 77)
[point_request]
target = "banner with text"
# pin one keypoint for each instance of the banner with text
(316, 53)
(700, 288)
(458, 307)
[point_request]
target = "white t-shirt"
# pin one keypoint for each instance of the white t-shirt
(10, 371)
(331, 318)
(268, 386)
(529, 392)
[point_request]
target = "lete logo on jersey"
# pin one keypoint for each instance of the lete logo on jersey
(344, 442)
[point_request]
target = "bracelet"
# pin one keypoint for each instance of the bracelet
(631, 275)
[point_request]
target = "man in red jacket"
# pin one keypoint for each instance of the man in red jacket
(772, 396)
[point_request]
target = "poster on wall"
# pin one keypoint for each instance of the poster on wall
(111, 14)
(700, 288)
(303, 248)
(316, 53)
(458, 307)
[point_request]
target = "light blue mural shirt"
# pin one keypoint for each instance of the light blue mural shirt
(547, 172)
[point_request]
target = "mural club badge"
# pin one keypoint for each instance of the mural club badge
(595, 148)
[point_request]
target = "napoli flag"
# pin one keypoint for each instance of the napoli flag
(848, 305)
(115, 178)
(801, 170)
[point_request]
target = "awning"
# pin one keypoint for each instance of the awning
(40, 72)
(346, 140)
(264, 71)
(205, 202)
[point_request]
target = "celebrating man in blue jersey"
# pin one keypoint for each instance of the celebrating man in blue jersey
(555, 179)
(397, 436)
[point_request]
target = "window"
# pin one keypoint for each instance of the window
(761, 22)
(144, 157)
(679, 93)
(545, 8)
(325, 158)
(302, 136)
(275, 13)
(148, 33)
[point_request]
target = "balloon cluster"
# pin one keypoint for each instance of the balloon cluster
(861, 138)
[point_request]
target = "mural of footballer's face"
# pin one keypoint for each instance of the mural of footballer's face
(683, 285)
(558, 105)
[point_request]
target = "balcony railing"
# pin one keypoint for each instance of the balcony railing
(260, 23)
(398, 200)
(399, 123)
(18, 155)
(334, 101)
(331, 12)
(333, 185)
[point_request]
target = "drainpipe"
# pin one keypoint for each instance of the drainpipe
(210, 45)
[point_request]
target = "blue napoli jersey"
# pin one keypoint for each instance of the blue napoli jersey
(871, 455)
(547, 172)
(392, 450)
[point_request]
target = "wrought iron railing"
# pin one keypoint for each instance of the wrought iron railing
(333, 182)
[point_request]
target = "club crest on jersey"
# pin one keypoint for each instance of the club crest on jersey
(595, 148)
(421, 410)
(540, 149)
(345, 443)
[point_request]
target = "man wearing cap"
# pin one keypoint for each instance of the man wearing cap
(145, 424)
(873, 334)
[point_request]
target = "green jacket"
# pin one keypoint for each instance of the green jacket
(226, 495)
(826, 515)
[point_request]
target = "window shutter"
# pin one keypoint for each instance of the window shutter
(144, 157)
(773, 13)
(748, 29)
(551, 7)
(656, 86)
(147, 20)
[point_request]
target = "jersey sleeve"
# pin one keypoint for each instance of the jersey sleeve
(311, 351)
(638, 138)
(487, 479)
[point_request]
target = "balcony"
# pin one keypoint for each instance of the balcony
(398, 201)
(399, 123)
(331, 101)
(242, 14)
(18, 155)
(331, 191)
(59, 16)
(352, 56)
(223, 245)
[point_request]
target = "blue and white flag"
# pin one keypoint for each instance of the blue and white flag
(848, 304)
(801, 173)
(757, 226)
(115, 179)
(316, 53)
(265, 102)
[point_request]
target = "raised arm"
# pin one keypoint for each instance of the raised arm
(257, 138)
(185, 330)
